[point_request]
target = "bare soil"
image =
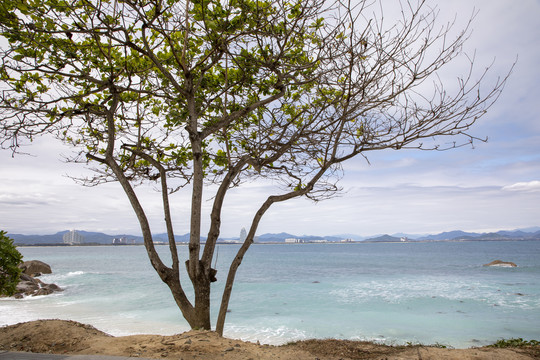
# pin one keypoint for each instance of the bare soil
(69, 337)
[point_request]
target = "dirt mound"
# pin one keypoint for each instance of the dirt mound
(70, 337)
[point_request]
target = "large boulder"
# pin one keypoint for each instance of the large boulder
(35, 268)
(26, 288)
(501, 263)
(29, 285)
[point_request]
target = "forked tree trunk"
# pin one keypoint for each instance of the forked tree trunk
(198, 315)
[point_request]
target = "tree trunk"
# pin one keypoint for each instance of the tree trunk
(202, 306)
(236, 263)
(229, 285)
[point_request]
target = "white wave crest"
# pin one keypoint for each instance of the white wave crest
(75, 273)
(265, 335)
(395, 291)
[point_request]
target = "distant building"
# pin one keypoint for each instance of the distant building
(403, 239)
(347, 240)
(293, 241)
(231, 242)
(73, 238)
(243, 235)
(123, 241)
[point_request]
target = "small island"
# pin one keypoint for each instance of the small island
(501, 263)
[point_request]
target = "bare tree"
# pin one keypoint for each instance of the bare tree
(208, 92)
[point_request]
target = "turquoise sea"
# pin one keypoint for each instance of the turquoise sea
(389, 292)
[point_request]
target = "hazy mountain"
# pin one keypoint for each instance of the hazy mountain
(509, 235)
(408, 236)
(54, 239)
(20, 239)
(178, 238)
(514, 233)
(457, 235)
(354, 237)
(275, 237)
(449, 235)
(89, 238)
(468, 236)
(383, 238)
(314, 238)
(270, 237)
(533, 229)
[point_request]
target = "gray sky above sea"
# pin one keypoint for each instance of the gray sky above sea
(491, 186)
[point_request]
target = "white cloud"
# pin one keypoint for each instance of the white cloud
(524, 186)
(490, 187)
(26, 200)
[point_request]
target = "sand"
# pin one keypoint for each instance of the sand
(69, 337)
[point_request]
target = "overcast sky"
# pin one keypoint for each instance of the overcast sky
(495, 186)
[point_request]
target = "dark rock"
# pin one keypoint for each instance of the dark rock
(43, 291)
(30, 286)
(26, 287)
(33, 267)
(501, 263)
(52, 287)
(25, 277)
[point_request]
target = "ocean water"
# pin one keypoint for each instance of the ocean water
(389, 292)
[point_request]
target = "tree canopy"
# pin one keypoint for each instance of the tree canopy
(191, 93)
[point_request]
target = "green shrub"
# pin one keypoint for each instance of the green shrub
(10, 257)
(515, 342)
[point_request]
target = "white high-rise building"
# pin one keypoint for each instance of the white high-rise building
(243, 235)
(73, 238)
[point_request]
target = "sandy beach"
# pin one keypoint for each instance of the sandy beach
(69, 337)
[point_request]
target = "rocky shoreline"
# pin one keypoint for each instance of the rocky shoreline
(29, 284)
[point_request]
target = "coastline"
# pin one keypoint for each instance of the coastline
(70, 337)
(427, 293)
(160, 243)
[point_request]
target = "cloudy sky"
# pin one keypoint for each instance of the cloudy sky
(493, 186)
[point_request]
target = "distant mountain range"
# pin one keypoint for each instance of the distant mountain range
(282, 236)
(458, 235)
(499, 235)
(89, 238)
